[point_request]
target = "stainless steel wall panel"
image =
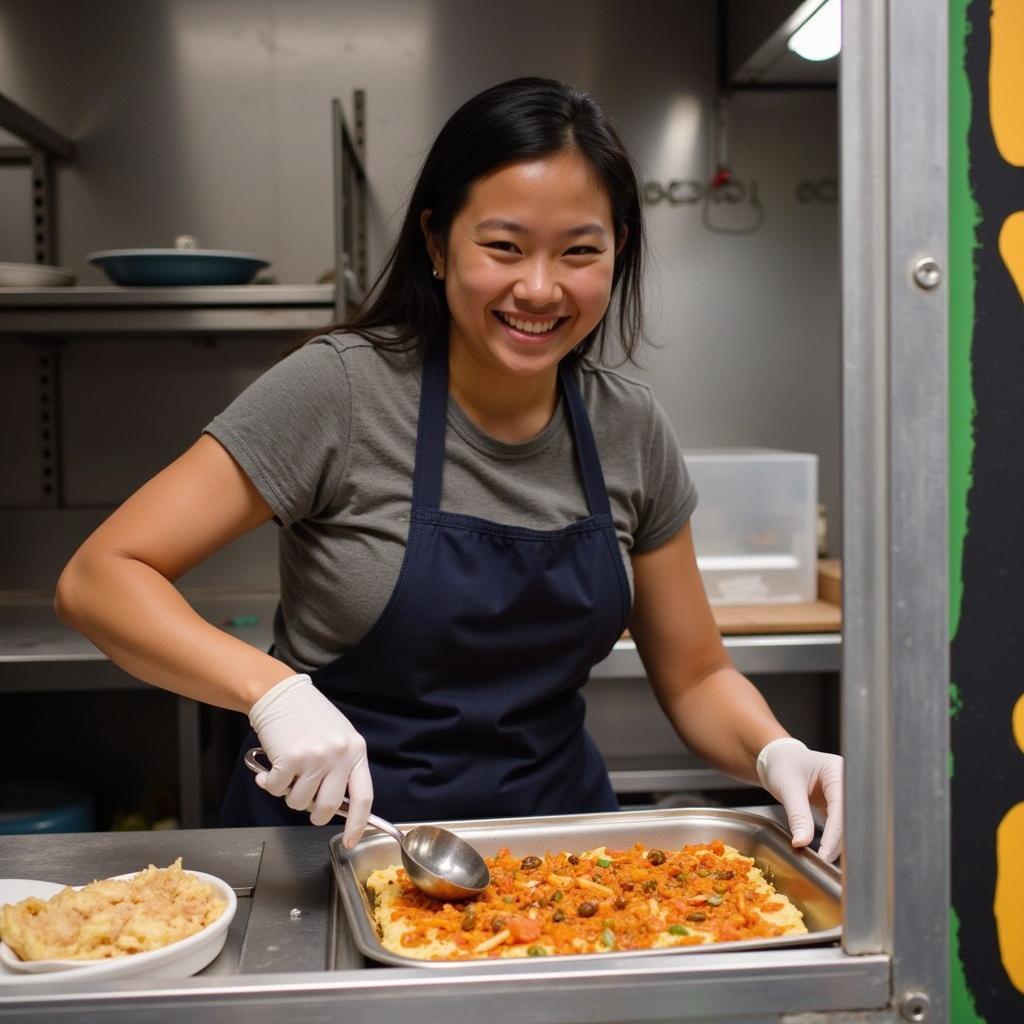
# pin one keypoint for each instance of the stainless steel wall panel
(132, 406)
(35, 545)
(620, 711)
(217, 123)
(748, 326)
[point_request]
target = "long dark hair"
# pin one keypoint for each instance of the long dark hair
(507, 123)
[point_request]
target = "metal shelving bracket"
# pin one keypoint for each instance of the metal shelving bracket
(42, 144)
(350, 191)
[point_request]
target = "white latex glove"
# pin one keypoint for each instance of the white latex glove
(798, 777)
(315, 754)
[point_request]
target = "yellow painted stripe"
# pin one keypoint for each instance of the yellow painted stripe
(1009, 901)
(1011, 245)
(1006, 79)
(1018, 722)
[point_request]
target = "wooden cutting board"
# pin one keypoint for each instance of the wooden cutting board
(822, 616)
(817, 617)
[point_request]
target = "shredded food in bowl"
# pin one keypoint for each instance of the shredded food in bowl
(112, 917)
(598, 901)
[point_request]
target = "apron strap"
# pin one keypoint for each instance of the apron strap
(426, 482)
(586, 446)
(427, 477)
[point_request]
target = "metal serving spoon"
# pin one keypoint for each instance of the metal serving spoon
(437, 861)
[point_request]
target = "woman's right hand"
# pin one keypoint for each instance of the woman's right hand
(315, 755)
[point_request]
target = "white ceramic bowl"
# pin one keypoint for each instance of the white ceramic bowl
(34, 275)
(180, 959)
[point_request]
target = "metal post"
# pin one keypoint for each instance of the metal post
(340, 199)
(44, 238)
(189, 770)
(350, 201)
(895, 646)
(48, 405)
(360, 256)
(865, 675)
(919, 473)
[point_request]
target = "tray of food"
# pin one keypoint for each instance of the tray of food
(637, 883)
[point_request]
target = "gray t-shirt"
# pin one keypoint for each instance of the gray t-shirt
(328, 437)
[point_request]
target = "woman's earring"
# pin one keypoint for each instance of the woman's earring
(436, 274)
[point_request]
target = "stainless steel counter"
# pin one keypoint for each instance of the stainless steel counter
(275, 965)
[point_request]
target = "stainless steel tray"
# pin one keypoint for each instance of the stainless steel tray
(805, 878)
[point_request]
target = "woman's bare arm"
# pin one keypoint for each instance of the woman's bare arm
(717, 712)
(118, 589)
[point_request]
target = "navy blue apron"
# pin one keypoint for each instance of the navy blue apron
(466, 688)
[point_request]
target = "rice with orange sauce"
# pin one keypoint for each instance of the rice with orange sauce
(598, 901)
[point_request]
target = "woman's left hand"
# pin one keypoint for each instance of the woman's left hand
(798, 777)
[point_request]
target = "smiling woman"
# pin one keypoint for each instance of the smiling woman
(473, 509)
(524, 123)
(528, 267)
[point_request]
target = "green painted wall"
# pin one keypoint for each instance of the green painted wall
(963, 217)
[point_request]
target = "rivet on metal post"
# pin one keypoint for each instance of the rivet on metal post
(914, 1006)
(927, 273)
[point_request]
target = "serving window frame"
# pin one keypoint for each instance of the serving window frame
(893, 961)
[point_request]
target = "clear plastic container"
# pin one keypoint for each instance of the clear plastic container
(755, 524)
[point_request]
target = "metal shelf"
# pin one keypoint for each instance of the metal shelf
(660, 778)
(38, 653)
(30, 632)
(753, 655)
(73, 312)
(106, 310)
(93, 296)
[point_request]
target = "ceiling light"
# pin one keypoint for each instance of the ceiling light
(819, 37)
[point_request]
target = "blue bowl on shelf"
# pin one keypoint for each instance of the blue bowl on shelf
(159, 268)
(28, 808)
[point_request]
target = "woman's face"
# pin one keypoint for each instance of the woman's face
(528, 265)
